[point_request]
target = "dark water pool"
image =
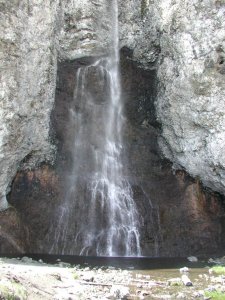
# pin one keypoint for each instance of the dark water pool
(126, 263)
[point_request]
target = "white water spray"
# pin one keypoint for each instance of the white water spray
(107, 218)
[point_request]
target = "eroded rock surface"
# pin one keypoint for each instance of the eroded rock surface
(184, 41)
(191, 92)
(28, 73)
(33, 34)
(178, 218)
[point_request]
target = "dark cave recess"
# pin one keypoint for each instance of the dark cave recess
(179, 217)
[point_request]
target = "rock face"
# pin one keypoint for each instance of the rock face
(184, 41)
(33, 34)
(178, 218)
(191, 94)
(182, 44)
(140, 23)
(28, 73)
(84, 28)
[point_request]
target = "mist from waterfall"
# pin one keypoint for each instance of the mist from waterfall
(98, 198)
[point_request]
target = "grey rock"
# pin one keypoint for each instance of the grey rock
(84, 28)
(26, 259)
(181, 296)
(192, 258)
(184, 42)
(88, 276)
(28, 76)
(184, 270)
(33, 35)
(191, 94)
(119, 292)
(186, 281)
(139, 30)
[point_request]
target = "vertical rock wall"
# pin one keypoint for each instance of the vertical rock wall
(181, 41)
(185, 42)
(28, 71)
(191, 94)
(33, 35)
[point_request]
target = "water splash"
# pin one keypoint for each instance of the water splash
(98, 194)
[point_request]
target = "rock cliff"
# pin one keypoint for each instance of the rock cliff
(184, 41)
(33, 35)
(191, 93)
(28, 73)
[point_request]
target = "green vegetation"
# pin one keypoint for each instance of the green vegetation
(144, 7)
(12, 291)
(215, 295)
(175, 282)
(218, 270)
(75, 275)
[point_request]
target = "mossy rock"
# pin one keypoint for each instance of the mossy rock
(175, 282)
(144, 8)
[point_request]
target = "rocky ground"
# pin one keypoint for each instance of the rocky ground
(28, 279)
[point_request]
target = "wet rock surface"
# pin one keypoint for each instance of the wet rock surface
(182, 44)
(178, 217)
(30, 47)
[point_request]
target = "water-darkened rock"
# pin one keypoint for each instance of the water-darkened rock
(178, 217)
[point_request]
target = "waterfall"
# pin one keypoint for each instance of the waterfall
(106, 221)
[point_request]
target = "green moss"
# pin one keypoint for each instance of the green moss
(215, 295)
(175, 282)
(75, 276)
(144, 7)
(218, 270)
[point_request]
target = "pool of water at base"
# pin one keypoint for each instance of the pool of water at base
(124, 263)
(142, 274)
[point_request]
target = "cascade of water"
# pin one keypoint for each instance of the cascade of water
(107, 218)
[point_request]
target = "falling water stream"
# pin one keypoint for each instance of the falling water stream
(107, 218)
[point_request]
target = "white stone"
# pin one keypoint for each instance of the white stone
(119, 292)
(192, 258)
(184, 270)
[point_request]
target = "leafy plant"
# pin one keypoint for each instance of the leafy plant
(218, 270)
(215, 295)
(12, 291)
